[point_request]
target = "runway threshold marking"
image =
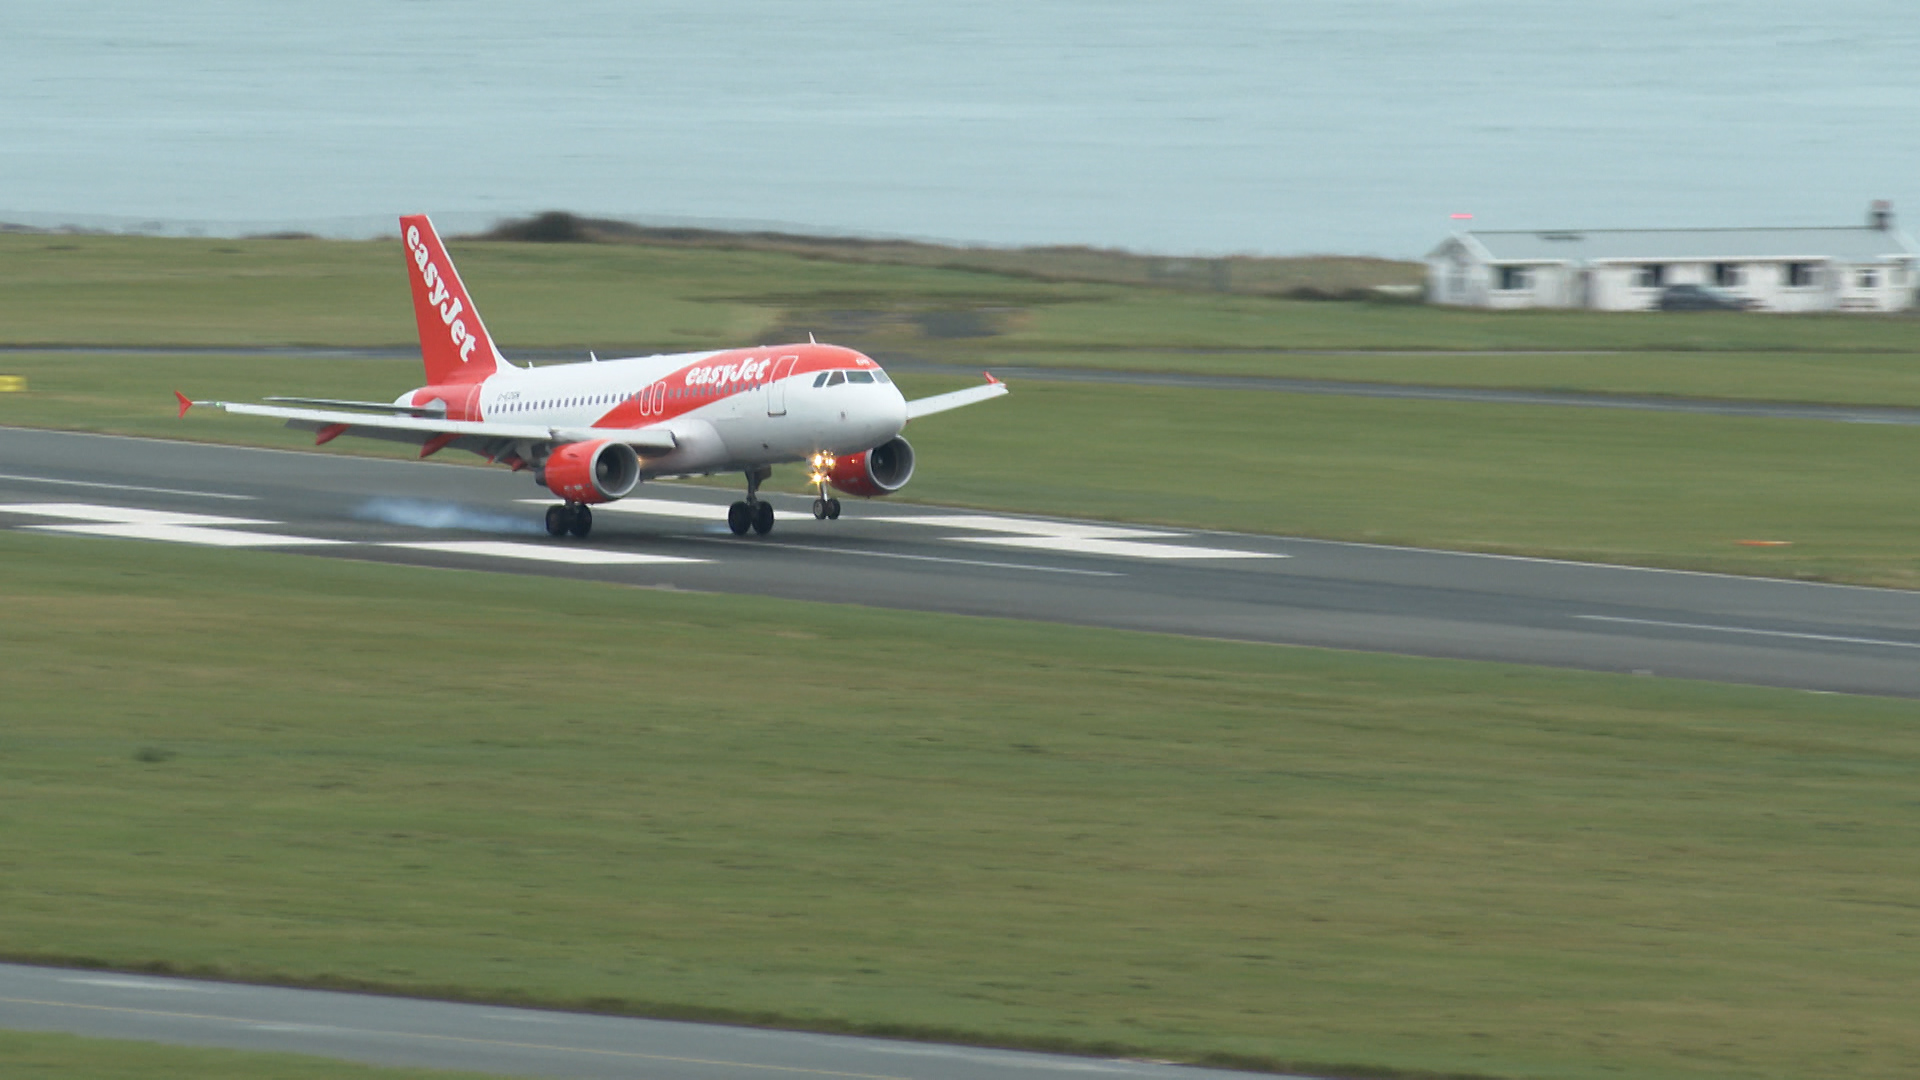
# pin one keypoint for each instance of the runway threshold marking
(124, 487)
(1068, 537)
(1840, 638)
(257, 1024)
(125, 523)
(925, 558)
(579, 556)
(1074, 537)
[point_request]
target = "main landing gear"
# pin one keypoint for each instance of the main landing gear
(573, 518)
(751, 512)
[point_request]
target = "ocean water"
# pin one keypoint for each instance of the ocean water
(1336, 126)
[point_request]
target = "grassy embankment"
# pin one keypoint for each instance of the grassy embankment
(129, 291)
(692, 806)
(67, 1057)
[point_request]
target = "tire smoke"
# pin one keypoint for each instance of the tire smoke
(419, 514)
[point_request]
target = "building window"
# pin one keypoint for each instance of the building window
(1514, 277)
(1651, 276)
(1727, 275)
(1800, 275)
(1868, 279)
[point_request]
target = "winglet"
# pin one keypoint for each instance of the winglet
(990, 377)
(185, 402)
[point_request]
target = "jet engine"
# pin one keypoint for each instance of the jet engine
(591, 472)
(882, 470)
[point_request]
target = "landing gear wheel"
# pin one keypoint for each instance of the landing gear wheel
(763, 518)
(819, 509)
(557, 521)
(739, 518)
(833, 509)
(582, 522)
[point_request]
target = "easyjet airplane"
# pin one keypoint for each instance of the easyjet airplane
(592, 431)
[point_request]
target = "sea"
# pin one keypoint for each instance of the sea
(1336, 126)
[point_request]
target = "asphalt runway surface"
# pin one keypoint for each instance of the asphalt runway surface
(1249, 588)
(489, 1039)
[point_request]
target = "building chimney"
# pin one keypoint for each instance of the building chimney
(1880, 215)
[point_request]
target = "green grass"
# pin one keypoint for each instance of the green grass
(534, 790)
(1591, 484)
(68, 1057)
(1600, 485)
(1837, 379)
(144, 291)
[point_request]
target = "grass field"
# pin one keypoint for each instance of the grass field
(1837, 379)
(137, 291)
(287, 768)
(1606, 485)
(65, 1057)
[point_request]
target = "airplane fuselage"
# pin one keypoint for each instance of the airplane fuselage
(731, 410)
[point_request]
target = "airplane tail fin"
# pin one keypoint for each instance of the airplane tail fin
(454, 343)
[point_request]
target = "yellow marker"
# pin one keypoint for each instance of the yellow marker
(13, 384)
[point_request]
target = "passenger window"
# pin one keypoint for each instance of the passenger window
(820, 380)
(860, 376)
(836, 378)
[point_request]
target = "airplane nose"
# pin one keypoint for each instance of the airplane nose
(896, 407)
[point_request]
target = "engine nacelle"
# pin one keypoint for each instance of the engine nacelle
(591, 472)
(882, 470)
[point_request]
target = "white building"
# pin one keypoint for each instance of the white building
(1874, 267)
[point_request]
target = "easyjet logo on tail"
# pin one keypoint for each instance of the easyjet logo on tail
(447, 305)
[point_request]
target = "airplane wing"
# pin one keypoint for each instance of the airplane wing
(432, 434)
(938, 403)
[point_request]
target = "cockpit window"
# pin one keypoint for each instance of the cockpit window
(881, 377)
(820, 380)
(860, 376)
(836, 378)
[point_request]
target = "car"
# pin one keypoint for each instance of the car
(1701, 298)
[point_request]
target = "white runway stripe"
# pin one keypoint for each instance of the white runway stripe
(1029, 527)
(1076, 538)
(555, 553)
(127, 523)
(655, 507)
(124, 515)
(1067, 537)
(1121, 549)
(183, 534)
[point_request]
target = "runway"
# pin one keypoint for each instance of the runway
(1249, 588)
(489, 1039)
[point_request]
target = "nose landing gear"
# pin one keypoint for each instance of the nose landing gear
(752, 513)
(824, 506)
(571, 517)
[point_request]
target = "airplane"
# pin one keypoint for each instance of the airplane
(592, 431)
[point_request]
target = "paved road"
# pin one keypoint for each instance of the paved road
(487, 1039)
(1266, 589)
(1768, 410)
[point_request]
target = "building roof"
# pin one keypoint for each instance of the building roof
(1852, 244)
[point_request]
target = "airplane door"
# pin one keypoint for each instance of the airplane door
(777, 385)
